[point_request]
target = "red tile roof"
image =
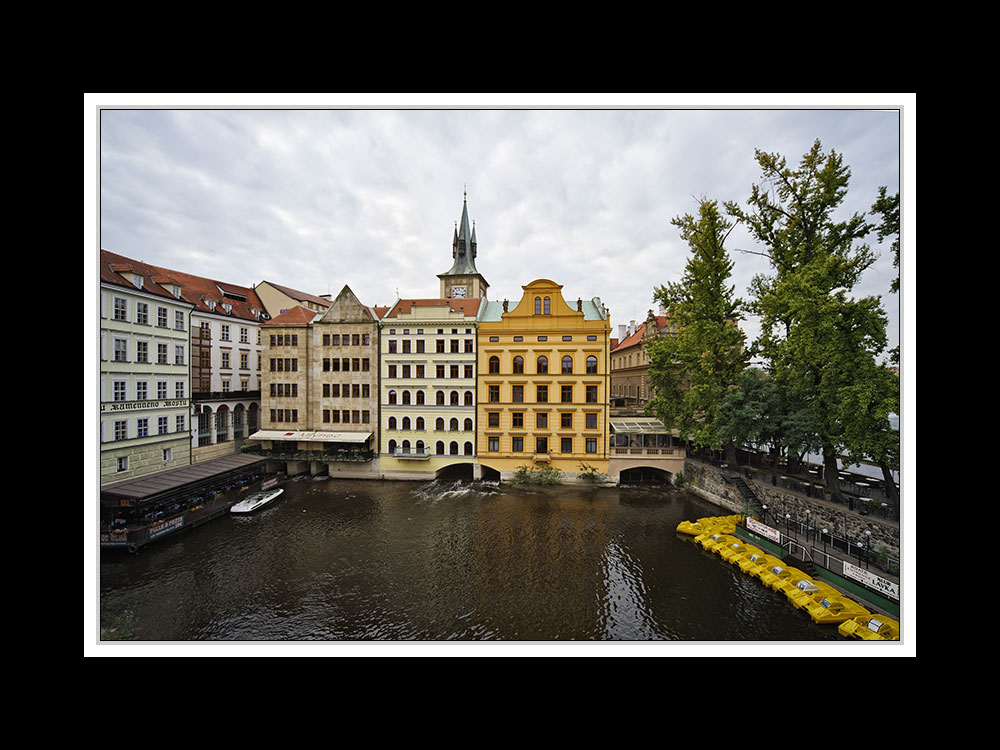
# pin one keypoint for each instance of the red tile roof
(294, 316)
(197, 290)
(468, 307)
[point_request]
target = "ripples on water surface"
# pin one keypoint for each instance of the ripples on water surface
(400, 561)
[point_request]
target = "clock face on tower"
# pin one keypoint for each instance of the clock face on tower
(458, 292)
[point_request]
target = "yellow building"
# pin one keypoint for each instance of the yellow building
(543, 383)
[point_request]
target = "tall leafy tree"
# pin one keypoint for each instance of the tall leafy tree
(759, 412)
(700, 360)
(817, 340)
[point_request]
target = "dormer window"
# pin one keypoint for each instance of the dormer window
(227, 307)
(210, 303)
(137, 280)
(177, 291)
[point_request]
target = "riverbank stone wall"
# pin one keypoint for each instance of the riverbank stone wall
(710, 483)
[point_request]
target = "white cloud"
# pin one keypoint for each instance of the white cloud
(318, 198)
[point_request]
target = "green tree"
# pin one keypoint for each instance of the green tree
(818, 341)
(759, 412)
(700, 360)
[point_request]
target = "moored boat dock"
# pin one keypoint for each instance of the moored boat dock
(139, 511)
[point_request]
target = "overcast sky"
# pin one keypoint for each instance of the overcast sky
(319, 198)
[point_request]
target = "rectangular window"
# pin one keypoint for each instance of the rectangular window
(591, 394)
(517, 419)
(541, 445)
(591, 445)
(541, 420)
(517, 394)
(542, 394)
(566, 421)
(494, 394)
(517, 444)
(121, 309)
(493, 419)
(566, 445)
(567, 394)
(591, 421)
(493, 441)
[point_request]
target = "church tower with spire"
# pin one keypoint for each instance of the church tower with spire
(462, 280)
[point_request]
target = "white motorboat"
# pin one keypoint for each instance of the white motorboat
(255, 501)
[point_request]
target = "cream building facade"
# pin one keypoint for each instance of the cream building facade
(428, 386)
(145, 406)
(319, 403)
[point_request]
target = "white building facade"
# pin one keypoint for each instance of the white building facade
(144, 384)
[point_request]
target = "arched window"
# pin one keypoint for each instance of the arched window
(543, 365)
(468, 449)
(468, 398)
(591, 365)
(439, 447)
(406, 397)
(538, 305)
(518, 365)
(420, 423)
(406, 446)
(440, 398)
(454, 398)
(392, 397)
(494, 365)
(453, 448)
(468, 425)
(420, 446)
(453, 424)
(547, 306)
(406, 423)
(392, 446)
(567, 365)
(392, 423)
(420, 398)
(439, 424)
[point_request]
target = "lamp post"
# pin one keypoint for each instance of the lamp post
(808, 525)
(825, 532)
(764, 509)
(868, 547)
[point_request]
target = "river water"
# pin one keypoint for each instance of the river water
(381, 561)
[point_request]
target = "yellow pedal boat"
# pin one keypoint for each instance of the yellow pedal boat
(763, 565)
(744, 555)
(804, 593)
(749, 559)
(835, 609)
(730, 552)
(786, 576)
(712, 542)
(870, 628)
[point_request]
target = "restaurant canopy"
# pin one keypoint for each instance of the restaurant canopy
(634, 425)
(311, 436)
